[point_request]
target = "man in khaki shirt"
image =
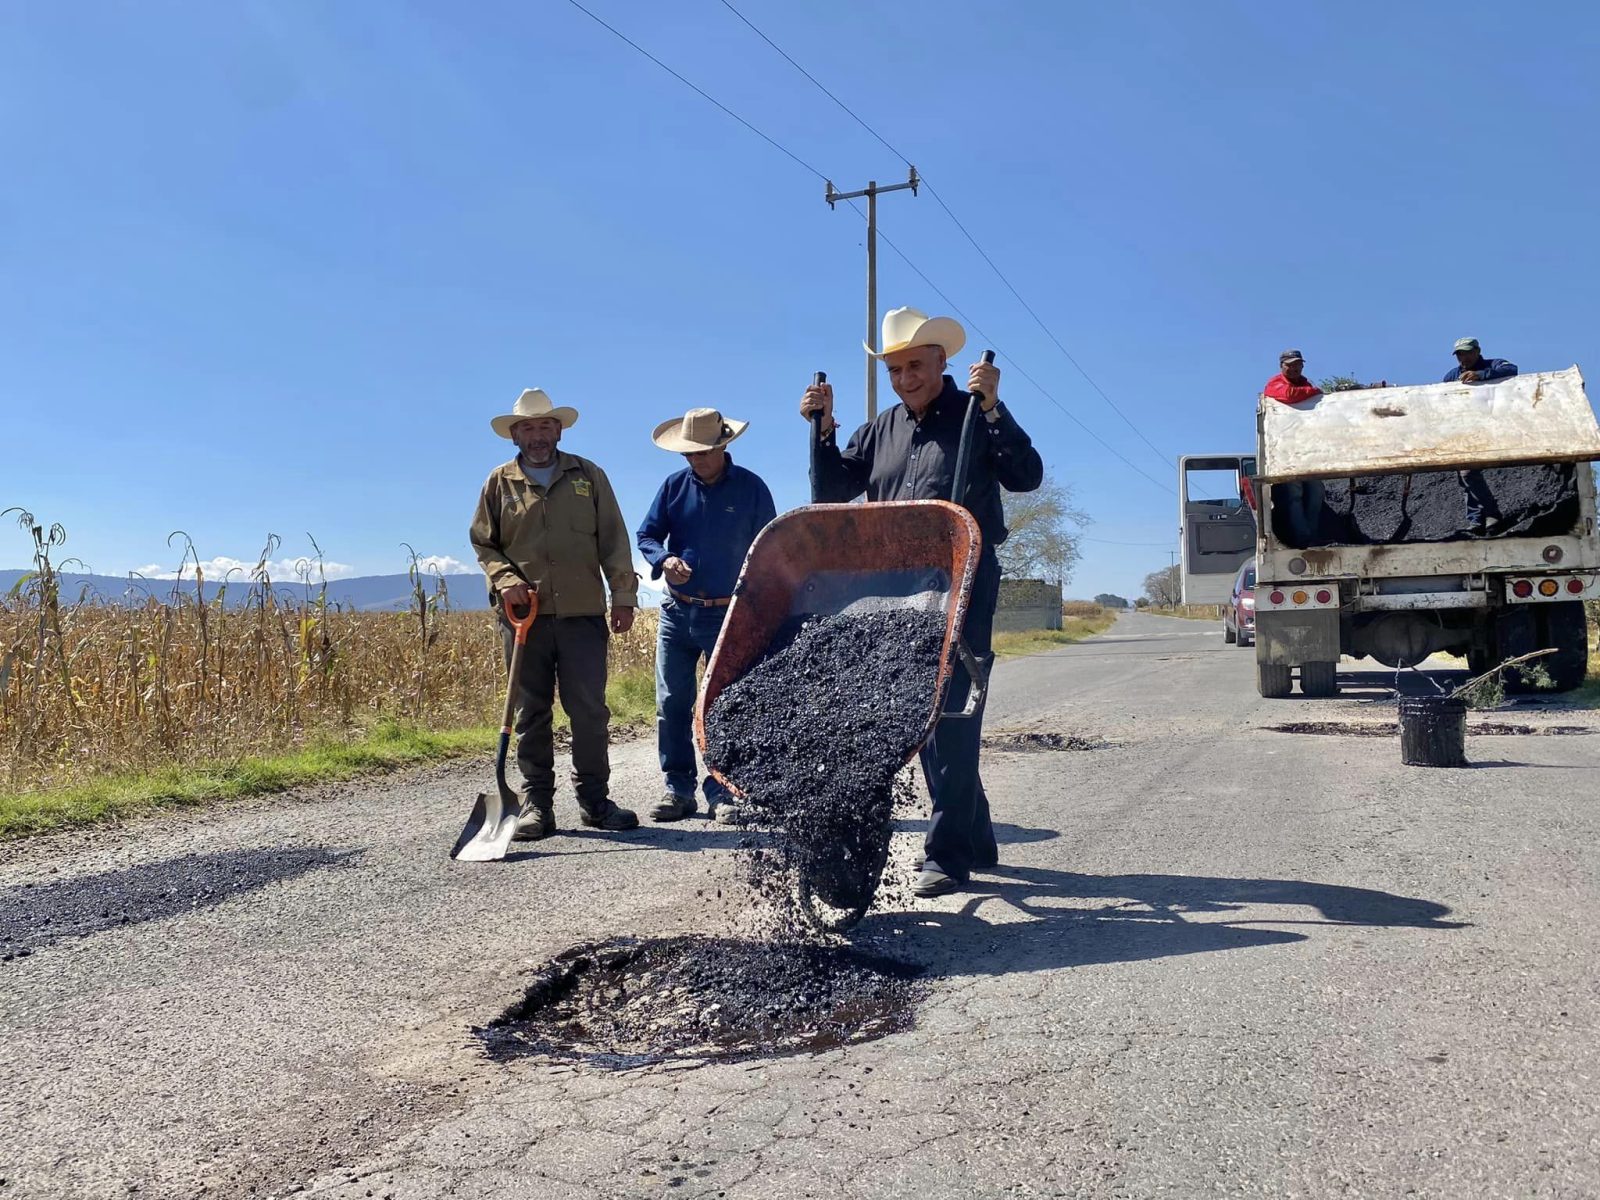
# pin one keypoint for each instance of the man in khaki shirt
(549, 521)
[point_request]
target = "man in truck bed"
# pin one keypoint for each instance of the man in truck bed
(1300, 502)
(1483, 514)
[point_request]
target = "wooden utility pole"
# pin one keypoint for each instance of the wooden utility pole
(871, 193)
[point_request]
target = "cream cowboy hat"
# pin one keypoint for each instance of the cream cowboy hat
(906, 327)
(533, 403)
(697, 429)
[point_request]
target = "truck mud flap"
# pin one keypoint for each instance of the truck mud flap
(1292, 638)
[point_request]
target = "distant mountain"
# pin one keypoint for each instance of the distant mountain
(374, 593)
(377, 593)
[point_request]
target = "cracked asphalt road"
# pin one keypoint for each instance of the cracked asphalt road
(1216, 960)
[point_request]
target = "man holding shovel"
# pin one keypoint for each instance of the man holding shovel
(909, 453)
(549, 520)
(696, 534)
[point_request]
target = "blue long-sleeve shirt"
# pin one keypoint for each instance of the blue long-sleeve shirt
(709, 526)
(1487, 369)
(897, 457)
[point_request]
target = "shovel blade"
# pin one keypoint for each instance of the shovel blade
(489, 829)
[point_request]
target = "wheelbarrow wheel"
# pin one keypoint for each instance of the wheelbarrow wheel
(835, 892)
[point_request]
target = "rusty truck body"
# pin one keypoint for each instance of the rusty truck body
(1361, 582)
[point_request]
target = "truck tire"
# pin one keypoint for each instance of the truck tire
(1272, 680)
(1319, 679)
(1514, 634)
(1562, 625)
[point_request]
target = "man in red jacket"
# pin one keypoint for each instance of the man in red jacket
(1290, 384)
(1300, 502)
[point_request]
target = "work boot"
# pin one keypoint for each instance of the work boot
(984, 862)
(538, 821)
(673, 807)
(730, 812)
(933, 882)
(610, 817)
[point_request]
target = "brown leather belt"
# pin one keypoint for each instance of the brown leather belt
(698, 602)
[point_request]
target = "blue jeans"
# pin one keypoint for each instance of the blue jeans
(1480, 503)
(687, 633)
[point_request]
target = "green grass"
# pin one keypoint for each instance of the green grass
(1038, 641)
(388, 746)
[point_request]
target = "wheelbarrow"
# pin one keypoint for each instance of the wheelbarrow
(829, 559)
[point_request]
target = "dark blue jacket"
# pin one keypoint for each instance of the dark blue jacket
(710, 527)
(897, 457)
(1487, 369)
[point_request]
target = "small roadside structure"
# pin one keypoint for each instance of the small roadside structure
(1028, 604)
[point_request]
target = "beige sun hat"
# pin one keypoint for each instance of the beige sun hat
(907, 327)
(534, 402)
(698, 429)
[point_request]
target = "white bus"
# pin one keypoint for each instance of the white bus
(1216, 534)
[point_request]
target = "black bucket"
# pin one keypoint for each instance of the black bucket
(1433, 731)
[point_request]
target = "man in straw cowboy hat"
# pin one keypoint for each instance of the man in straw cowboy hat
(909, 452)
(696, 534)
(549, 521)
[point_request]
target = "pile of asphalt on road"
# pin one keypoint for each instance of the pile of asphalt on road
(1534, 501)
(627, 1003)
(814, 735)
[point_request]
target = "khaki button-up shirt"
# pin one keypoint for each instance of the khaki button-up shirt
(564, 539)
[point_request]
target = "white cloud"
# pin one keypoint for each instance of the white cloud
(445, 565)
(283, 570)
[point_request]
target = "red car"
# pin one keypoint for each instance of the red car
(1239, 614)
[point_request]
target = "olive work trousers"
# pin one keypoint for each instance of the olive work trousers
(565, 654)
(959, 829)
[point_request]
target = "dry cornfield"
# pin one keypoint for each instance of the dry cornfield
(89, 688)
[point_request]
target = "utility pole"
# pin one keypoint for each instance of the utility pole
(871, 193)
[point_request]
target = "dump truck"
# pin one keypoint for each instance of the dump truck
(1363, 545)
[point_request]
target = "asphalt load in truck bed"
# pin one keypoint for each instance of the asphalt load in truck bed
(814, 734)
(1535, 501)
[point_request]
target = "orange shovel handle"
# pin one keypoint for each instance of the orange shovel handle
(521, 625)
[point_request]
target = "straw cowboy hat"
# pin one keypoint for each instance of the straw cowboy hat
(533, 403)
(906, 327)
(698, 429)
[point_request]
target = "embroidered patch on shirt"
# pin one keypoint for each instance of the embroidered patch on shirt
(583, 487)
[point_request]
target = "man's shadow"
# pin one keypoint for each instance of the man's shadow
(1148, 916)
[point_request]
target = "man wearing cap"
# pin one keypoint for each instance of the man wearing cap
(1301, 501)
(696, 534)
(908, 452)
(548, 521)
(1483, 511)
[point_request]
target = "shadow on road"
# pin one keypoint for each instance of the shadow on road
(35, 916)
(1150, 917)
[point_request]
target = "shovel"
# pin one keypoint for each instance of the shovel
(493, 820)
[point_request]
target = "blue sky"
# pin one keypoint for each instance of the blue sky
(271, 266)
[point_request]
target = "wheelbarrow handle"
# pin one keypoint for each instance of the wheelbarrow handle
(977, 688)
(819, 378)
(958, 488)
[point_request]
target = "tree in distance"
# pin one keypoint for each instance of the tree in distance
(1163, 588)
(1042, 543)
(1110, 600)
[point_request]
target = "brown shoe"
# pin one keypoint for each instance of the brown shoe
(537, 821)
(673, 807)
(611, 818)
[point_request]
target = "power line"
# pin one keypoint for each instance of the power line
(965, 232)
(779, 146)
(771, 141)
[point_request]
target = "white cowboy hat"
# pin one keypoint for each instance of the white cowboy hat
(907, 327)
(697, 429)
(534, 402)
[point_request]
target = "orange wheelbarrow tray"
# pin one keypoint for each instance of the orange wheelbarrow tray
(826, 559)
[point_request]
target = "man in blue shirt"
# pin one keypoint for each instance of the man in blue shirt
(908, 452)
(1483, 512)
(696, 534)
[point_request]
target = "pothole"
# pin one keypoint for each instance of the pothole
(1034, 740)
(1390, 729)
(628, 1003)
